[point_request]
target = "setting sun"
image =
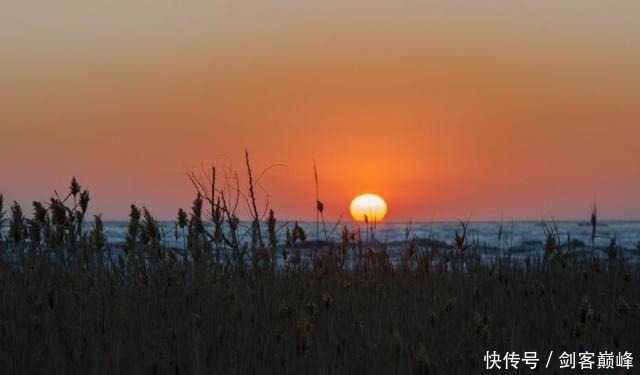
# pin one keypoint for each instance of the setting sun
(371, 206)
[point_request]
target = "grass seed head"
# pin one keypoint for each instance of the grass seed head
(17, 228)
(84, 201)
(74, 187)
(182, 219)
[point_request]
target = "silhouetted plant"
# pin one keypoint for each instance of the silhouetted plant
(74, 187)
(133, 230)
(84, 201)
(182, 221)
(34, 230)
(319, 207)
(84, 205)
(58, 214)
(288, 237)
(594, 224)
(612, 249)
(298, 234)
(196, 240)
(150, 235)
(196, 225)
(273, 237)
(271, 230)
(40, 213)
(154, 314)
(552, 250)
(255, 226)
(97, 237)
(218, 220)
(460, 240)
(17, 228)
(3, 219)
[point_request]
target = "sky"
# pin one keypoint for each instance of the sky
(447, 109)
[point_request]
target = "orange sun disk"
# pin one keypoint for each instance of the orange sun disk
(369, 206)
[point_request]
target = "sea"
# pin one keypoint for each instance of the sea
(521, 236)
(514, 234)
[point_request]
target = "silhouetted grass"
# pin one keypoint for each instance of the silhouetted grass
(222, 305)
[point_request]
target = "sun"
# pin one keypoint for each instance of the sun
(371, 206)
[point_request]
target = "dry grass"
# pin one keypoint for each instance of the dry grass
(68, 306)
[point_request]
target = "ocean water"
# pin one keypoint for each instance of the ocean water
(522, 235)
(515, 234)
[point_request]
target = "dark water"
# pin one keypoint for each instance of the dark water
(513, 234)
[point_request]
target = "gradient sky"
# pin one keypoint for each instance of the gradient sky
(448, 109)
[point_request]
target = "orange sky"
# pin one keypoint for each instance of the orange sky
(508, 109)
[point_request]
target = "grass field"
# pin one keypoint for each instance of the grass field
(69, 306)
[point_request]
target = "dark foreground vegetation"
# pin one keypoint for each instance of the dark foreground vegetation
(70, 304)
